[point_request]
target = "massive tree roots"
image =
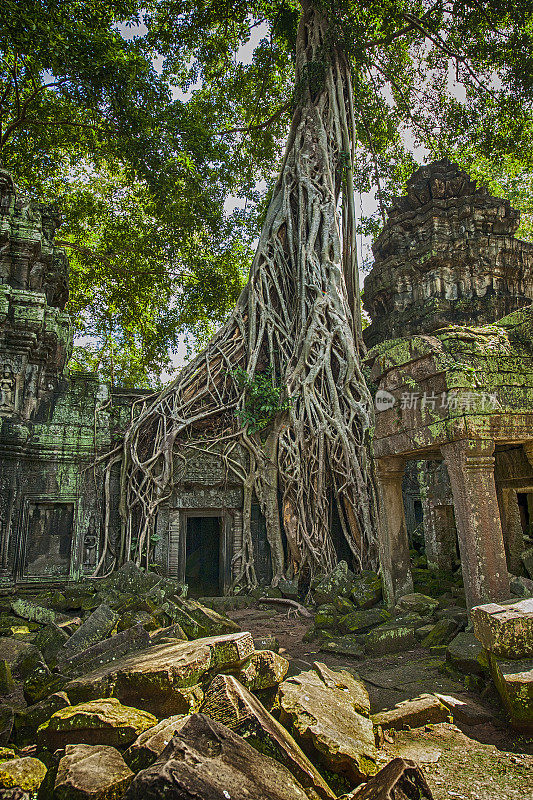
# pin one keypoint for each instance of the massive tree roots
(297, 320)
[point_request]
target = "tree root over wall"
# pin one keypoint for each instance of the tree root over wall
(299, 318)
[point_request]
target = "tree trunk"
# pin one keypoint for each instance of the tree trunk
(299, 317)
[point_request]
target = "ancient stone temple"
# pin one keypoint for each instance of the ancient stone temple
(54, 426)
(453, 379)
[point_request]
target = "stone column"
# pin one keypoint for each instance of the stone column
(513, 535)
(477, 517)
(393, 545)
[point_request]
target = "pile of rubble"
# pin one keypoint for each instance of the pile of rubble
(125, 688)
(351, 618)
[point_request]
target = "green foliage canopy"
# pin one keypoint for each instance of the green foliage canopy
(142, 159)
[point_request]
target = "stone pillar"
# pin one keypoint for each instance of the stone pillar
(393, 545)
(439, 524)
(439, 536)
(471, 469)
(513, 535)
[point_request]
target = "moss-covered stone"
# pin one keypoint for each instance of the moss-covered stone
(505, 630)
(262, 670)
(338, 583)
(466, 655)
(324, 721)
(22, 773)
(514, 681)
(418, 603)
(326, 617)
(89, 772)
(360, 621)
(104, 721)
(442, 633)
(367, 590)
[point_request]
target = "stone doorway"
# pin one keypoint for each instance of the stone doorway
(203, 545)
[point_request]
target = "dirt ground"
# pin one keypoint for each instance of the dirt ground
(483, 762)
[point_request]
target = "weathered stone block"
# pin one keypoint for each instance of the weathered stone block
(230, 703)
(505, 630)
(442, 633)
(360, 621)
(262, 670)
(466, 654)
(424, 710)
(22, 773)
(527, 560)
(208, 761)
(151, 743)
(338, 582)
(163, 679)
(367, 590)
(344, 646)
(50, 640)
(324, 720)
(418, 603)
(107, 651)
(93, 630)
(514, 681)
(91, 772)
(392, 637)
(28, 720)
(104, 721)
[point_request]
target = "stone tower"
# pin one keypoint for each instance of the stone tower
(447, 254)
(35, 333)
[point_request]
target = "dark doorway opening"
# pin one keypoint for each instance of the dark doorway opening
(202, 556)
(48, 540)
(524, 507)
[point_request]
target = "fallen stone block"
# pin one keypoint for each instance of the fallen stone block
(262, 670)
(360, 621)
(163, 679)
(93, 630)
(465, 712)
(28, 720)
(106, 651)
(26, 774)
(344, 646)
(22, 657)
(466, 654)
(367, 590)
(326, 617)
(91, 772)
(442, 633)
(324, 721)
(150, 744)
(41, 683)
(505, 630)
(514, 681)
(419, 603)
(171, 632)
(346, 682)
(104, 721)
(424, 710)
(230, 703)
(398, 780)
(34, 612)
(49, 641)
(207, 760)
(339, 582)
(392, 637)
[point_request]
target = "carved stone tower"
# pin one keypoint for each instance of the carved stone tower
(447, 254)
(35, 334)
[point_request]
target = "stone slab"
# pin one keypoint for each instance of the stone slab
(505, 630)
